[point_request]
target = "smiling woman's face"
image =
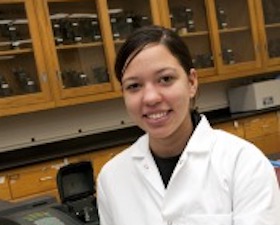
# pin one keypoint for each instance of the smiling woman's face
(157, 92)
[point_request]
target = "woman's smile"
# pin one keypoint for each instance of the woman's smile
(157, 118)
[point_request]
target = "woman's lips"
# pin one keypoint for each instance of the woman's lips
(156, 116)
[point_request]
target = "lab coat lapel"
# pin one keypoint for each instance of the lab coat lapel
(146, 166)
(200, 143)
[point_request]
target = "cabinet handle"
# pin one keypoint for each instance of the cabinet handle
(42, 179)
(44, 77)
(265, 126)
(2, 179)
(14, 177)
(235, 124)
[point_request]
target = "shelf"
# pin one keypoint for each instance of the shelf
(67, 1)
(119, 42)
(15, 52)
(195, 34)
(232, 30)
(273, 25)
(79, 45)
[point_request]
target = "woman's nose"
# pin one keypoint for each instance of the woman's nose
(151, 95)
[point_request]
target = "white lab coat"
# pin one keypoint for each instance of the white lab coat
(219, 179)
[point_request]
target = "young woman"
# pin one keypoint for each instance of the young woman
(181, 171)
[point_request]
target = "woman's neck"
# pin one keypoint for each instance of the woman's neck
(173, 145)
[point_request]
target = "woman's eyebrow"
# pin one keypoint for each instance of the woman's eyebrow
(159, 71)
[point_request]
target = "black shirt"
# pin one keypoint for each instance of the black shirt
(167, 165)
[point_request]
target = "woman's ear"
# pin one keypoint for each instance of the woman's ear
(193, 82)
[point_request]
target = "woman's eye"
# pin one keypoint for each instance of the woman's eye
(166, 79)
(132, 87)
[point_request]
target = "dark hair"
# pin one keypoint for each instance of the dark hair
(152, 35)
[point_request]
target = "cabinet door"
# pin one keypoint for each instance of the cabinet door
(34, 179)
(233, 127)
(263, 131)
(269, 144)
(23, 79)
(126, 17)
(99, 158)
(32, 182)
(261, 125)
(75, 37)
(268, 12)
(189, 19)
(235, 34)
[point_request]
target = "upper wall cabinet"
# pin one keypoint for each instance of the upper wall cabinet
(236, 42)
(23, 76)
(222, 40)
(190, 20)
(126, 17)
(77, 40)
(268, 12)
(62, 52)
(80, 37)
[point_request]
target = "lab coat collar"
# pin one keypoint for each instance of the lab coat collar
(201, 140)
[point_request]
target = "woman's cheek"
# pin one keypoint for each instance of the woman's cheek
(131, 104)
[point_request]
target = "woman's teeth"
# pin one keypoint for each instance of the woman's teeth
(157, 115)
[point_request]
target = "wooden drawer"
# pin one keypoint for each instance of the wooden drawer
(34, 179)
(79, 158)
(4, 188)
(99, 158)
(269, 144)
(52, 192)
(261, 125)
(233, 127)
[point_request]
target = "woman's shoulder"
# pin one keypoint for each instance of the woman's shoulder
(123, 160)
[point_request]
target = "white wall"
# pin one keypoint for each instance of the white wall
(63, 123)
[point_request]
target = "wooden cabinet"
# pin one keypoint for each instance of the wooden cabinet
(101, 157)
(80, 37)
(34, 180)
(268, 12)
(233, 127)
(262, 130)
(61, 52)
(222, 41)
(126, 17)
(24, 83)
(76, 39)
(190, 19)
(235, 36)
(260, 125)
(40, 179)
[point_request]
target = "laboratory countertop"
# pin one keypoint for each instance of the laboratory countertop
(95, 142)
